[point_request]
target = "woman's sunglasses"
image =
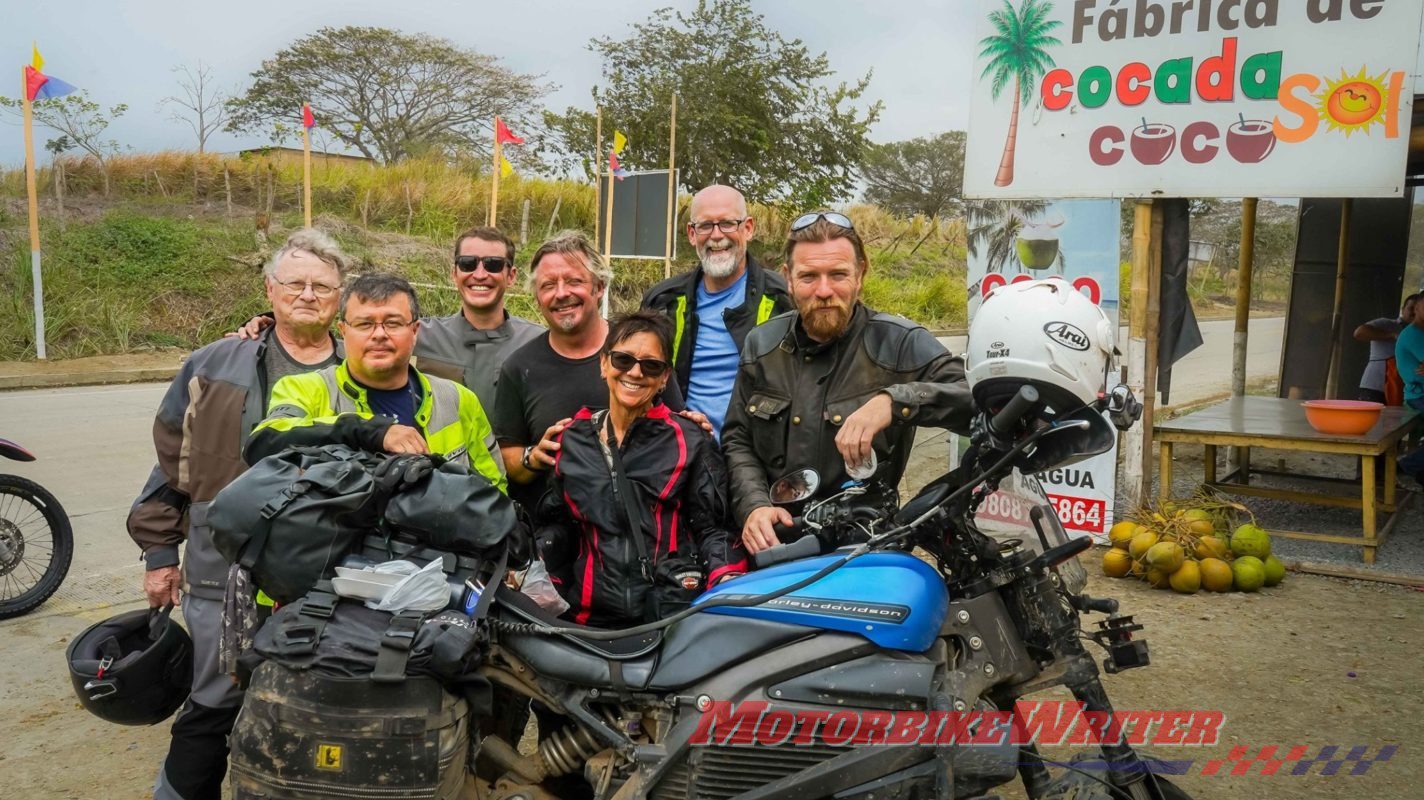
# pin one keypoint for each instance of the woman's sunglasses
(623, 362)
(493, 264)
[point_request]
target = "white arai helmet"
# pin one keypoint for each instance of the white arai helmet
(1050, 336)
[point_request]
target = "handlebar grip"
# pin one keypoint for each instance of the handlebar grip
(1003, 423)
(805, 547)
(787, 533)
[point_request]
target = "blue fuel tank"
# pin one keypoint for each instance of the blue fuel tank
(895, 600)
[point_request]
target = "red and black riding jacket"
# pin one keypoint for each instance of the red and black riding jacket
(680, 481)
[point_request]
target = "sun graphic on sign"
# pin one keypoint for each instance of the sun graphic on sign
(1354, 102)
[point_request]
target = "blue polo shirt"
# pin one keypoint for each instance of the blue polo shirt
(1408, 352)
(714, 353)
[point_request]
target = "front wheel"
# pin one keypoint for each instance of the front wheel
(36, 545)
(1084, 777)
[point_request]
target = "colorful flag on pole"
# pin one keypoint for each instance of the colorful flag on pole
(308, 121)
(615, 168)
(44, 87)
(36, 60)
(505, 168)
(503, 134)
(619, 141)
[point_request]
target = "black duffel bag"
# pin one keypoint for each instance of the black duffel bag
(293, 516)
(452, 508)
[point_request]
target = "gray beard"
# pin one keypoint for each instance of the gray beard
(721, 263)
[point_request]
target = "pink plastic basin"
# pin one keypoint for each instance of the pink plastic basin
(1342, 417)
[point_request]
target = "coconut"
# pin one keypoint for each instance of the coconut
(1159, 579)
(1187, 579)
(1116, 563)
(1166, 556)
(1141, 543)
(1215, 575)
(1249, 573)
(1211, 547)
(1249, 540)
(1275, 571)
(1122, 533)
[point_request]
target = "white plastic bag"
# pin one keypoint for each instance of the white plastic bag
(535, 584)
(424, 590)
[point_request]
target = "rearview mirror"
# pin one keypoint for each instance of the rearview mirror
(795, 487)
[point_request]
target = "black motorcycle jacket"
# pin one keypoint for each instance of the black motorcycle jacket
(680, 480)
(792, 395)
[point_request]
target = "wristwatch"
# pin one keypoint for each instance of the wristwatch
(527, 464)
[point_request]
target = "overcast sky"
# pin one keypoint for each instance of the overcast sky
(123, 51)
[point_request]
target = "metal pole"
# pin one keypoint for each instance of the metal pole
(35, 274)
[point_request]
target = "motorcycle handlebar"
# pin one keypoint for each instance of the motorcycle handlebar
(805, 547)
(1003, 423)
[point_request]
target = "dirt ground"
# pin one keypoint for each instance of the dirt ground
(1314, 662)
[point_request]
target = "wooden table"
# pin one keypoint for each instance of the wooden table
(1280, 424)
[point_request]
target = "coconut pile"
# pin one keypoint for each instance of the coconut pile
(1204, 543)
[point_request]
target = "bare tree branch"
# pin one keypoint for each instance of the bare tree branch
(202, 106)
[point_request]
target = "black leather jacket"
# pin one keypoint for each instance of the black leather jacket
(792, 395)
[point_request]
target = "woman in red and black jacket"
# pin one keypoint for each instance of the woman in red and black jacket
(674, 473)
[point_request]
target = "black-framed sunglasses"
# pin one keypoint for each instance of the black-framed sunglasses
(834, 217)
(493, 264)
(623, 362)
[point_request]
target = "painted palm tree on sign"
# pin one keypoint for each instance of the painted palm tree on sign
(1017, 51)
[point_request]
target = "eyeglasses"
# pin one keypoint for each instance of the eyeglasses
(295, 288)
(835, 218)
(723, 225)
(367, 327)
(493, 264)
(623, 362)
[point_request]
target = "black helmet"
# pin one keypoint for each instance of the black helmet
(133, 669)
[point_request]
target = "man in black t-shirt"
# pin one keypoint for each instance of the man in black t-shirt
(545, 382)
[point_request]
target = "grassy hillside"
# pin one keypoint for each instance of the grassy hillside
(171, 256)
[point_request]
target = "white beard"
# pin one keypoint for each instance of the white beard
(721, 263)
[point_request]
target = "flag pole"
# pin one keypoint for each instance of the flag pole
(494, 178)
(306, 174)
(597, 173)
(608, 241)
(34, 219)
(672, 190)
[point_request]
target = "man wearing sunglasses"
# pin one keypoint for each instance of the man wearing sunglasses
(833, 387)
(470, 346)
(219, 395)
(714, 306)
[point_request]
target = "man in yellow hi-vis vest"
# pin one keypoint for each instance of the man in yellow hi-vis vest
(716, 305)
(374, 400)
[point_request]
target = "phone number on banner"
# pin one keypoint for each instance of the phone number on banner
(1079, 513)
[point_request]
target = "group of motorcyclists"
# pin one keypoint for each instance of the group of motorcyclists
(643, 447)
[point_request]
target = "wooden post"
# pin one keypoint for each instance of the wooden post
(57, 172)
(524, 224)
(33, 196)
(597, 172)
(494, 179)
(227, 188)
(1244, 268)
(672, 189)
(1135, 455)
(608, 242)
(1154, 315)
(1342, 266)
(306, 175)
(554, 217)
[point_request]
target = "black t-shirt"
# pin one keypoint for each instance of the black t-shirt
(538, 387)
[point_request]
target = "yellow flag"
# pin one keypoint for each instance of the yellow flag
(505, 168)
(36, 60)
(618, 141)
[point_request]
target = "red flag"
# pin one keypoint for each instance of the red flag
(503, 134)
(34, 79)
(308, 121)
(614, 167)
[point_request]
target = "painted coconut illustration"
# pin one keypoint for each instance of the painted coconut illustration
(1250, 140)
(1037, 243)
(1153, 142)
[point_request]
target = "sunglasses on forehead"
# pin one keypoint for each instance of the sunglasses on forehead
(834, 217)
(493, 264)
(623, 362)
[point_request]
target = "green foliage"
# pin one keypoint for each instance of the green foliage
(754, 110)
(80, 123)
(387, 94)
(1017, 51)
(919, 176)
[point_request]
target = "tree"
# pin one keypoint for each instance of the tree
(80, 119)
(754, 111)
(389, 95)
(201, 106)
(919, 176)
(1017, 50)
(993, 226)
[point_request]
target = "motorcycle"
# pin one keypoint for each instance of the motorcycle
(916, 611)
(36, 541)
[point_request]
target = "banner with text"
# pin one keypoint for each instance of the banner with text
(1076, 240)
(1175, 98)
